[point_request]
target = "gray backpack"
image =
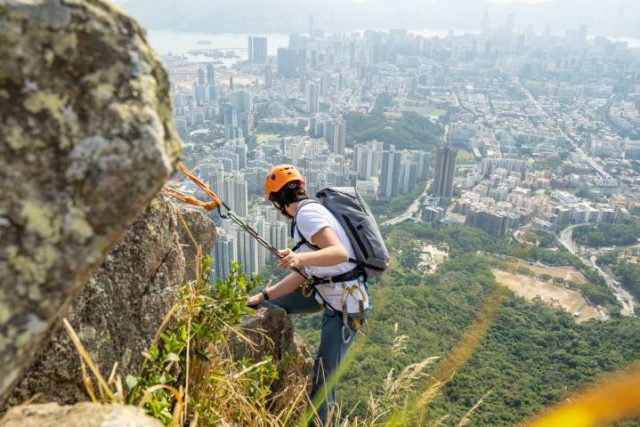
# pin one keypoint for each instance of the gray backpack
(359, 224)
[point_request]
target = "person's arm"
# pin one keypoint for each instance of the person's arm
(282, 288)
(331, 252)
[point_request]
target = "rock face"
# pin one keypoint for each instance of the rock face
(86, 140)
(202, 230)
(81, 415)
(121, 308)
(272, 332)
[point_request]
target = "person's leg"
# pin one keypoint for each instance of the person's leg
(331, 351)
(296, 303)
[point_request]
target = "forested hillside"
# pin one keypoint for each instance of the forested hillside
(531, 357)
(406, 130)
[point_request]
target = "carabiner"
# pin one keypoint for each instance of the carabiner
(307, 287)
(346, 334)
(223, 216)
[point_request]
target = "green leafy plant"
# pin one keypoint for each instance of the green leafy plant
(203, 320)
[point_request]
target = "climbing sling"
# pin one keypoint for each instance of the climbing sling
(218, 204)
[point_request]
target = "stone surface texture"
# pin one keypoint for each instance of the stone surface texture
(81, 415)
(86, 140)
(123, 305)
(201, 229)
(273, 333)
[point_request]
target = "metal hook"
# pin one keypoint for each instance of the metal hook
(223, 216)
(346, 337)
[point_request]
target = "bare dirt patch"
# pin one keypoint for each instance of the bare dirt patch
(431, 257)
(556, 296)
(561, 272)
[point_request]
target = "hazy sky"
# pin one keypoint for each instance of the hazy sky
(618, 18)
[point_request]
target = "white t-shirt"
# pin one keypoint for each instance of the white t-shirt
(311, 218)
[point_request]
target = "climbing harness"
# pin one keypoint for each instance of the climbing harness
(308, 287)
(349, 291)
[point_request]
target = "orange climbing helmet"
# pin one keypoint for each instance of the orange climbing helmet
(279, 176)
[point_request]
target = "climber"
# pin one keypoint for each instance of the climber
(323, 251)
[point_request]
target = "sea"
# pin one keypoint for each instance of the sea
(232, 47)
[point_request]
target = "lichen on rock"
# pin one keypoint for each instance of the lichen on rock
(119, 312)
(86, 140)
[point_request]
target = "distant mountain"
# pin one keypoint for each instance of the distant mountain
(618, 18)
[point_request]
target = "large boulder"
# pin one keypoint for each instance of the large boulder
(81, 415)
(123, 305)
(272, 332)
(86, 140)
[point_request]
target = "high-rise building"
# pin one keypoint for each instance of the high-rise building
(257, 48)
(268, 76)
(489, 166)
(408, 173)
(422, 160)
(336, 135)
(445, 170)
(251, 254)
(287, 62)
(248, 251)
(225, 252)
(316, 126)
(212, 90)
(390, 173)
(313, 98)
(200, 90)
(495, 223)
(242, 101)
(199, 93)
(231, 122)
(211, 74)
(232, 188)
(367, 159)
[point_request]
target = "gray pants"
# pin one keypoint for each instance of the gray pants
(332, 348)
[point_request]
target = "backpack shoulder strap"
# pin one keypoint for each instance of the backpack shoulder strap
(303, 240)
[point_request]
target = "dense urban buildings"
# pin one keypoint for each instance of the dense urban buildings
(507, 129)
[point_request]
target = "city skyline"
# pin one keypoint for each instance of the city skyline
(615, 20)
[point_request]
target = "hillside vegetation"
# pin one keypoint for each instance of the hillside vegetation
(463, 240)
(606, 235)
(407, 130)
(532, 356)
